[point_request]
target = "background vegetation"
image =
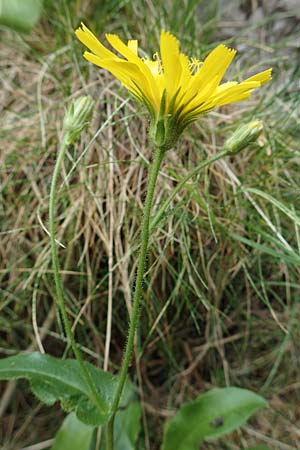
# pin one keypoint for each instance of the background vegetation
(221, 306)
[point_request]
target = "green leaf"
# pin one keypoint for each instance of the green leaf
(213, 414)
(73, 434)
(20, 15)
(281, 206)
(53, 379)
(289, 256)
(127, 428)
(127, 423)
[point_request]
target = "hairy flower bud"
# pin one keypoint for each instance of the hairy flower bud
(77, 117)
(243, 136)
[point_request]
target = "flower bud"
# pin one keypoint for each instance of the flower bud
(77, 117)
(243, 136)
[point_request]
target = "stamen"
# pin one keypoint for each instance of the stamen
(157, 59)
(154, 66)
(195, 65)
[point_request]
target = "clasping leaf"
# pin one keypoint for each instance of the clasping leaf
(213, 414)
(54, 379)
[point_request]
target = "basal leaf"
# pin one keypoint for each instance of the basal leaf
(127, 422)
(53, 379)
(213, 414)
(20, 15)
(73, 434)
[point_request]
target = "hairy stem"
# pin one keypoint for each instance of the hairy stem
(58, 284)
(134, 319)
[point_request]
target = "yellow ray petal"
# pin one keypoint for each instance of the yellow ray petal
(128, 73)
(184, 80)
(185, 70)
(262, 77)
(122, 48)
(233, 93)
(123, 72)
(133, 46)
(154, 66)
(92, 43)
(203, 95)
(125, 51)
(213, 67)
(225, 86)
(169, 51)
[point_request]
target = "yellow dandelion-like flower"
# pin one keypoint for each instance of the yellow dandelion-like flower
(175, 89)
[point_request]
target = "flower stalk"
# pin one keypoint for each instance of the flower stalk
(134, 319)
(76, 119)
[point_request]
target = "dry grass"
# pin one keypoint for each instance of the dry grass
(222, 301)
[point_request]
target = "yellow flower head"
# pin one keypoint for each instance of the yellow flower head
(174, 89)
